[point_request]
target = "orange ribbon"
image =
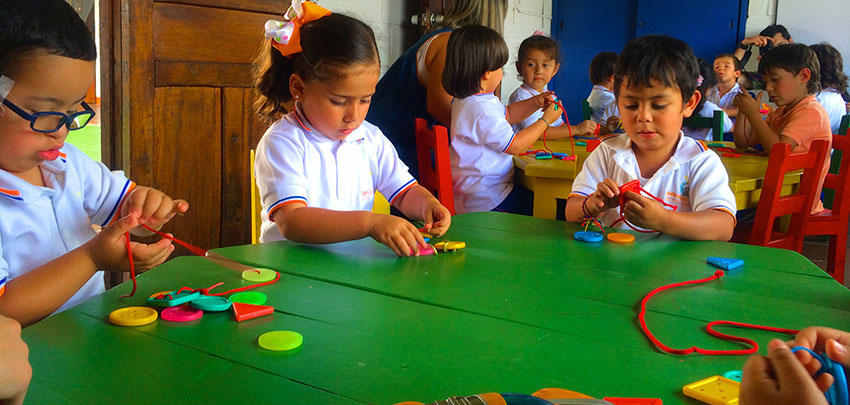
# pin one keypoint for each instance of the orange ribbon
(290, 44)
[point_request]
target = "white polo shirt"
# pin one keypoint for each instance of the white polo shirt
(482, 172)
(296, 162)
(834, 106)
(524, 92)
(40, 224)
(693, 179)
(601, 100)
(724, 102)
(706, 134)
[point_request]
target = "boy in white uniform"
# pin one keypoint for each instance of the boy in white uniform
(601, 98)
(483, 141)
(653, 98)
(727, 69)
(50, 192)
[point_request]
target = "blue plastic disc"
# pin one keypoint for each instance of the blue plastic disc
(211, 304)
(588, 236)
(734, 375)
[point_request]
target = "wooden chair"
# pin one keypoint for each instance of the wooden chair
(833, 222)
(798, 205)
(715, 123)
(432, 151)
(586, 111)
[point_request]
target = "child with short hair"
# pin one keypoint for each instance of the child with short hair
(601, 99)
(833, 82)
(51, 193)
(537, 64)
(727, 69)
(318, 166)
(483, 141)
(792, 77)
(706, 108)
(655, 84)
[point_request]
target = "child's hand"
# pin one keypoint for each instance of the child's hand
(550, 114)
(746, 104)
(401, 236)
(543, 99)
(606, 196)
(778, 379)
(15, 369)
(586, 127)
(834, 342)
(153, 207)
(612, 124)
(644, 211)
(108, 252)
(437, 218)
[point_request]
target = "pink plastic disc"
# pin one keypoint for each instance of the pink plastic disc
(181, 313)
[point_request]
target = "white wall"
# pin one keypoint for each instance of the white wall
(816, 21)
(524, 17)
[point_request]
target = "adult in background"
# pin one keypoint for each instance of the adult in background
(412, 87)
(771, 36)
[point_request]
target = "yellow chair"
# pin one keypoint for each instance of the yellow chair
(381, 206)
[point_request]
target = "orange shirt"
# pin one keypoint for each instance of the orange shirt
(807, 121)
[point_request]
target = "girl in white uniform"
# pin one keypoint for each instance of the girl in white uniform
(833, 82)
(318, 166)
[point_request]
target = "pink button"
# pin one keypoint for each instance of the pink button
(181, 313)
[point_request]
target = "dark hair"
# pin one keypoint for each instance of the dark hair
(831, 67)
(793, 58)
(736, 63)
(774, 29)
(329, 45)
(472, 51)
(540, 42)
(659, 57)
(50, 26)
(602, 67)
(706, 70)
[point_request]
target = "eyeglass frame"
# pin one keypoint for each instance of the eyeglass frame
(66, 120)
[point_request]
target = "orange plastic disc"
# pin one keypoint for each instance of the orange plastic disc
(621, 237)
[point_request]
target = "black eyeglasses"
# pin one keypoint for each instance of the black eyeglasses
(52, 121)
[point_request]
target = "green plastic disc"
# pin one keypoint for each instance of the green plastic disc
(211, 303)
(249, 297)
(281, 340)
(259, 275)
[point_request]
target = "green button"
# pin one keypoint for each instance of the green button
(249, 297)
(259, 275)
(280, 340)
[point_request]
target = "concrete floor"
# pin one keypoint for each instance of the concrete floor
(816, 250)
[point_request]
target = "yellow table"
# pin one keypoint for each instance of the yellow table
(553, 179)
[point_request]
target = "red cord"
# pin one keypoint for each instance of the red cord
(132, 265)
(710, 327)
(569, 129)
(192, 248)
(625, 221)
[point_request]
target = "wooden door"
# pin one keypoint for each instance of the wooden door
(178, 106)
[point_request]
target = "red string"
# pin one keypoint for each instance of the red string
(569, 129)
(192, 248)
(625, 221)
(709, 328)
(132, 265)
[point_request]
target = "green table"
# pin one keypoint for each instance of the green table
(523, 307)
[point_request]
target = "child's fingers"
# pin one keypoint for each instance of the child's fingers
(152, 203)
(390, 242)
(122, 226)
(413, 238)
(403, 246)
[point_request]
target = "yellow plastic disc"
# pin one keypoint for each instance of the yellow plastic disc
(259, 275)
(449, 245)
(621, 237)
(133, 316)
(280, 340)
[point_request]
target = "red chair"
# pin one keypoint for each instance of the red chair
(834, 222)
(435, 170)
(798, 205)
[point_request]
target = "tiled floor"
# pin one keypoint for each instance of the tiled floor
(816, 250)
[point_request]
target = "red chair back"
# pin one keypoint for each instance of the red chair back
(435, 171)
(798, 205)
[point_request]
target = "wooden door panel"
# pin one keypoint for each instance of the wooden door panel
(186, 158)
(213, 74)
(204, 34)
(266, 6)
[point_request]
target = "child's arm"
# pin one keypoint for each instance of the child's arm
(780, 378)
(763, 134)
(437, 101)
(561, 131)
(300, 223)
(520, 110)
(526, 137)
(710, 224)
(419, 204)
(15, 369)
(604, 198)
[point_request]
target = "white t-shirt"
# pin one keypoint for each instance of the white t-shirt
(40, 224)
(296, 162)
(834, 106)
(482, 173)
(724, 102)
(694, 178)
(603, 103)
(524, 92)
(706, 134)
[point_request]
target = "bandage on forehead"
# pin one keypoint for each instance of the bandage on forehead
(6, 85)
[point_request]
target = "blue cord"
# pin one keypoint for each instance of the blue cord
(837, 393)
